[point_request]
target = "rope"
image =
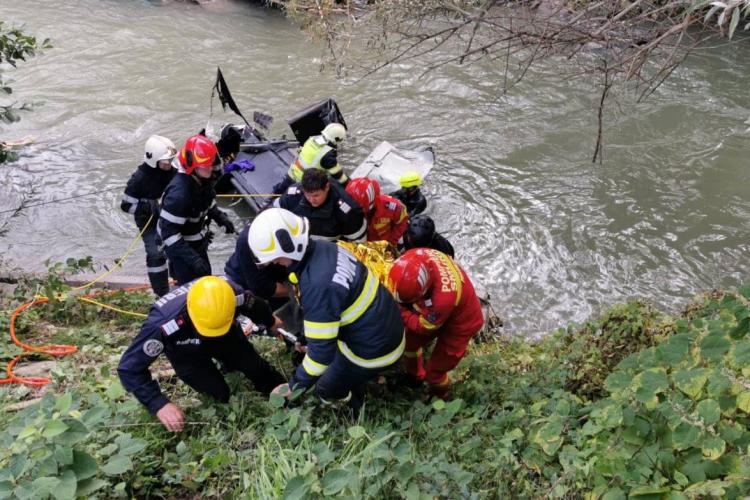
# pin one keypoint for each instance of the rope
(59, 200)
(56, 350)
(247, 195)
(112, 308)
(119, 261)
(60, 350)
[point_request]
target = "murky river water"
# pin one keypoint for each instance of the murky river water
(551, 236)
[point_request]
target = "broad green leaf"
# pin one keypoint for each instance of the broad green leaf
(324, 454)
(618, 381)
(685, 436)
(549, 436)
(118, 464)
(277, 400)
(709, 411)
(614, 494)
(64, 455)
(115, 390)
(76, 432)
(53, 427)
(649, 384)
(6, 489)
(67, 487)
(405, 472)
(63, 403)
(334, 481)
(713, 447)
(130, 446)
(88, 486)
(691, 382)
(681, 478)
(714, 488)
(296, 489)
(42, 487)
(714, 347)
(648, 491)
(743, 401)
(563, 407)
(356, 431)
(743, 325)
(27, 432)
(675, 349)
(438, 404)
(739, 354)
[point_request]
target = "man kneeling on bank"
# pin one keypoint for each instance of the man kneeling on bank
(193, 325)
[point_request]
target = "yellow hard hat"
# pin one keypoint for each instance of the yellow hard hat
(410, 179)
(210, 304)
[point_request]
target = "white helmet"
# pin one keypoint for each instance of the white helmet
(276, 233)
(334, 133)
(158, 148)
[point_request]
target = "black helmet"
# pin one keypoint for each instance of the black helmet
(421, 231)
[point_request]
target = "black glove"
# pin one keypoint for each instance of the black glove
(223, 221)
(201, 267)
(206, 241)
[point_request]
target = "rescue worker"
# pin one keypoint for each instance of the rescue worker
(331, 212)
(193, 325)
(387, 218)
(320, 152)
(410, 194)
(438, 303)
(187, 201)
(352, 324)
(141, 198)
(267, 282)
(421, 234)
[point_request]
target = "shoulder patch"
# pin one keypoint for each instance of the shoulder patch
(170, 327)
(344, 206)
(153, 348)
(432, 316)
(428, 302)
(391, 205)
(293, 190)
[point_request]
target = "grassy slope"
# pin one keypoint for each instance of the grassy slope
(528, 420)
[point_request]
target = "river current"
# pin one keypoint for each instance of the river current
(550, 236)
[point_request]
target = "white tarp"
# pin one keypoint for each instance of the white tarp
(386, 164)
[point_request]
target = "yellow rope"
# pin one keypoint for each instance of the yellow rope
(120, 261)
(112, 308)
(248, 195)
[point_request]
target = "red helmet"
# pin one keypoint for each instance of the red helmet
(198, 152)
(410, 277)
(364, 191)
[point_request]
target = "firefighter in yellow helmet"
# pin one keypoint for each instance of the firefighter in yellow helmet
(193, 325)
(410, 194)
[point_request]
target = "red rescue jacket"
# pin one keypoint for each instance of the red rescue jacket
(388, 220)
(451, 304)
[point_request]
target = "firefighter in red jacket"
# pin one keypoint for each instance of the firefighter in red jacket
(387, 218)
(438, 302)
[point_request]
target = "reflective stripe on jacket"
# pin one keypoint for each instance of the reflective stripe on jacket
(346, 310)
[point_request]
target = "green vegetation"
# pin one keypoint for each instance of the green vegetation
(15, 46)
(631, 404)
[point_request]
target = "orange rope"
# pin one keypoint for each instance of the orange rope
(56, 350)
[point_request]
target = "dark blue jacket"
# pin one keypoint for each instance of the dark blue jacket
(414, 201)
(242, 269)
(184, 209)
(346, 309)
(339, 217)
(143, 190)
(168, 329)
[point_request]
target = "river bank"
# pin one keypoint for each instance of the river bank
(632, 403)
